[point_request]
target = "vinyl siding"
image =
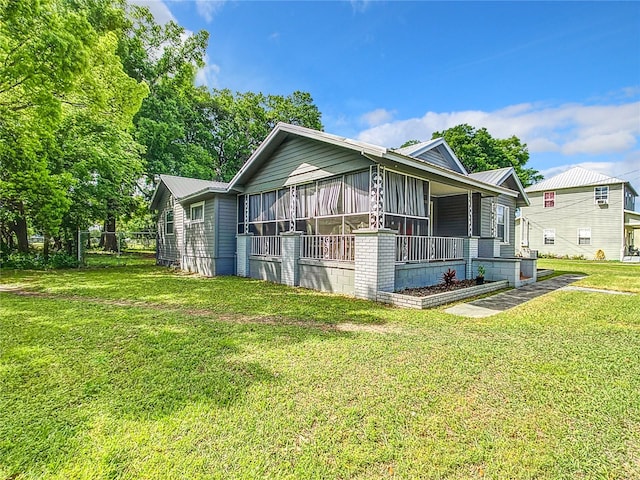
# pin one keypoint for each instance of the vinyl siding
(225, 225)
(168, 245)
(437, 158)
(200, 236)
(485, 217)
(301, 160)
(451, 216)
(574, 209)
(509, 250)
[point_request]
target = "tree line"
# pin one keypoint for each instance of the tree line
(96, 99)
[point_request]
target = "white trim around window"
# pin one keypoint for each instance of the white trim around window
(168, 222)
(502, 223)
(601, 195)
(196, 212)
(584, 236)
(549, 236)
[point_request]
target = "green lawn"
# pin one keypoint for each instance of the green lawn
(141, 372)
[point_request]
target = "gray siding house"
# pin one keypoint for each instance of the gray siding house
(579, 212)
(196, 221)
(326, 212)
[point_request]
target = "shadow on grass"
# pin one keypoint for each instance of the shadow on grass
(61, 371)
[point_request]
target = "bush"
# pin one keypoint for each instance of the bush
(35, 261)
(600, 255)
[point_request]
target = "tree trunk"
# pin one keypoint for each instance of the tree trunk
(110, 240)
(20, 229)
(102, 235)
(45, 250)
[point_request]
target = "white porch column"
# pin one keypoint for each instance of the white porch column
(243, 250)
(290, 254)
(375, 265)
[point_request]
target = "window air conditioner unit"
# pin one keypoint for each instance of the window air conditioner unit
(601, 201)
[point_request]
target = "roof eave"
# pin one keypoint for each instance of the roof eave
(445, 172)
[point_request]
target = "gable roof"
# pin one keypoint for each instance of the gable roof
(374, 153)
(420, 149)
(576, 177)
(184, 188)
(499, 177)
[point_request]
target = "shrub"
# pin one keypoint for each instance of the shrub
(35, 261)
(481, 270)
(449, 277)
(62, 260)
(600, 255)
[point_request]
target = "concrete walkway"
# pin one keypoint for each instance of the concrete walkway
(488, 306)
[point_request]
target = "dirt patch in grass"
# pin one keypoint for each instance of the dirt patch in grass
(440, 288)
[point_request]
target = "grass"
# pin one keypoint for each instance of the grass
(141, 372)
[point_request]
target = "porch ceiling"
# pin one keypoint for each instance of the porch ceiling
(631, 219)
(442, 190)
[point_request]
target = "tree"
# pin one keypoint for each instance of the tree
(479, 151)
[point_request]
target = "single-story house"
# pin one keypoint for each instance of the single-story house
(326, 212)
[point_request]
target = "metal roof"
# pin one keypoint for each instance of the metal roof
(494, 177)
(411, 150)
(574, 177)
(181, 187)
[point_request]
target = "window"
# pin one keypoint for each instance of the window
(549, 199)
(168, 222)
(549, 236)
(196, 212)
(584, 236)
(601, 195)
(502, 223)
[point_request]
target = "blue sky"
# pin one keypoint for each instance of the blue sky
(562, 76)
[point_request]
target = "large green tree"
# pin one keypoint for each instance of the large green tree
(479, 151)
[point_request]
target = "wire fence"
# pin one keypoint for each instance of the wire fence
(113, 244)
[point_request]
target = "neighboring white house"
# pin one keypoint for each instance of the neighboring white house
(321, 211)
(579, 212)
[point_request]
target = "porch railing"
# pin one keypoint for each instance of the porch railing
(428, 249)
(329, 247)
(266, 246)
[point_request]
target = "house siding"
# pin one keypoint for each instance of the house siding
(199, 241)
(225, 223)
(574, 209)
(436, 157)
(509, 249)
(168, 249)
(300, 160)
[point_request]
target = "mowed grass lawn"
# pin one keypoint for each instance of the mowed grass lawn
(141, 372)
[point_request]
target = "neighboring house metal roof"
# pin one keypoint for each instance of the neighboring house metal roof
(576, 177)
(183, 188)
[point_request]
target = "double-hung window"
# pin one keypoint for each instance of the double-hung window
(584, 236)
(549, 236)
(196, 212)
(601, 195)
(502, 223)
(168, 222)
(549, 199)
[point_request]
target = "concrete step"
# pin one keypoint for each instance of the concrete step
(544, 272)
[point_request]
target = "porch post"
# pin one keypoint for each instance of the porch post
(243, 249)
(375, 265)
(469, 213)
(290, 255)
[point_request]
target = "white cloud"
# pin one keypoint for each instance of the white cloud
(208, 8)
(377, 117)
(158, 9)
(208, 76)
(569, 129)
(359, 6)
(626, 169)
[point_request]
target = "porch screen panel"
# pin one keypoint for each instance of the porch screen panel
(394, 198)
(306, 201)
(269, 206)
(415, 197)
(254, 208)
(356, 193)
(329, 197)
(283, 204)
